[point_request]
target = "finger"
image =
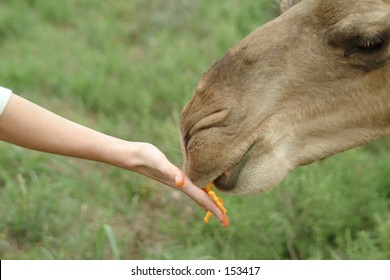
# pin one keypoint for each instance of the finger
(182, 182)
(199, 196)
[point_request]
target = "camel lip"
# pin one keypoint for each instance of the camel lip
(228, 180)
(223, 183)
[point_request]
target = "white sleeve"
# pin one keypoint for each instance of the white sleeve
(5, 95)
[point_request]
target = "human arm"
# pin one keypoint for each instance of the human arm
(28, 125)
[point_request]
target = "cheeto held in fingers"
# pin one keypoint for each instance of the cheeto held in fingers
(207, 217)
(219, 202)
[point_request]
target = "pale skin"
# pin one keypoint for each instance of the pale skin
(26, 124)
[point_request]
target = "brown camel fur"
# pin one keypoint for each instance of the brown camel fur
(311, 83)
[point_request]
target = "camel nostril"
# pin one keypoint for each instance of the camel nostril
(213, 119)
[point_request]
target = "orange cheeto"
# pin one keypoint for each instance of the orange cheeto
(218, 201)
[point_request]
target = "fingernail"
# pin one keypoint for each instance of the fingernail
(225, 221)
(179, 181)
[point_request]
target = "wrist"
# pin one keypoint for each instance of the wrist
(128, 155)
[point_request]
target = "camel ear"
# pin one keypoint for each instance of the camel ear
(287, 4)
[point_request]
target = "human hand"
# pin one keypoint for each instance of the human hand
(28, 125)
(154, 164)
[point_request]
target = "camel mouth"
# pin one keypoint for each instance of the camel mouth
(229, 180)
(227, 183)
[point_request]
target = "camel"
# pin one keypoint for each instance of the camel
(311, 83)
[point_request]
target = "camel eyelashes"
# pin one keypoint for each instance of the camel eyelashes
(366, 45)
(370, 45)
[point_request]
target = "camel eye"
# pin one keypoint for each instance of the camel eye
(369, 52)
(370, 45)
(360, 45)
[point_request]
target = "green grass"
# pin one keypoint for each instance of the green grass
(127, 68)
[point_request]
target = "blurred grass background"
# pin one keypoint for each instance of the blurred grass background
(127, 68)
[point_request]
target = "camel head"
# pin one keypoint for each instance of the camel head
(313, 82)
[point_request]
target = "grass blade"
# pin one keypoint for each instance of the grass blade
(106, 232)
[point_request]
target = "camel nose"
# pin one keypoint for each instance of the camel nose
(201, 120)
